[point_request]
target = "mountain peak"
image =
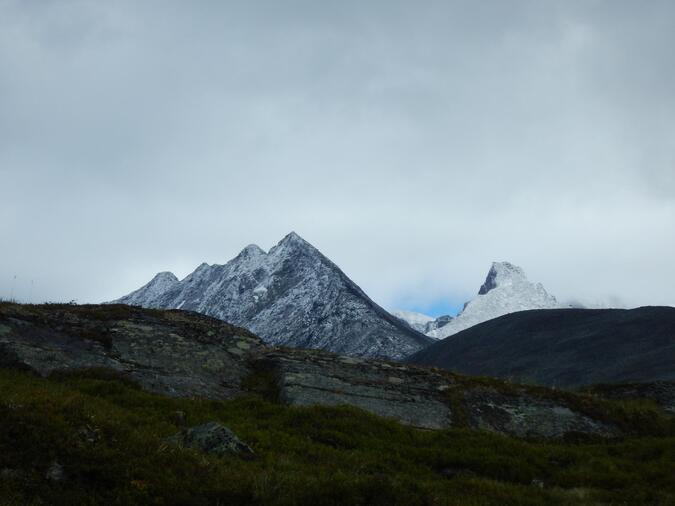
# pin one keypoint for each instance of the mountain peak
(506, 290)
(164, 277)
(501, 274)
(291, 238)
(293, 243)
(151, 291)
(292, 296)
(252, 250)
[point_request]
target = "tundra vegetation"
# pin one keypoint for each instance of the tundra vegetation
(95, 437)
(74, 434)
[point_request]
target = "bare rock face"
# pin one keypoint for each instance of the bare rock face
(523, 415)
(426, 398)
(169, 352)
(410, 396)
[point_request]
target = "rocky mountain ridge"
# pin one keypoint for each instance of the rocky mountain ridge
(292, 296)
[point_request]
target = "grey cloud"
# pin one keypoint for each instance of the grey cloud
(412, 142)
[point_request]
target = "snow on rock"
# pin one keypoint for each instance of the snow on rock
(291, 296)
(421, 322)
(439, 322)
(506, 290)
(418, 321)
(152, 292)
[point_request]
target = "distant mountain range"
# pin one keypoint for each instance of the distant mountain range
(290, 296)
(421, 322)
(506, 290)
(564, 347)
(294, 296)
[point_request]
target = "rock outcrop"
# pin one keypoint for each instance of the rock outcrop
(186, 354)
(426, 398)
(169, 352)
(410, 395)
(522, 414)
(212, 438)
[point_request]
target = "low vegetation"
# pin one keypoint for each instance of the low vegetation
(105, 437)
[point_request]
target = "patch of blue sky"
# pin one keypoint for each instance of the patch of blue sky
(437, 308)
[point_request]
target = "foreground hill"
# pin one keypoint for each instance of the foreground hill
(92, 399)
(292, 296)
(186, 354)
(564, 347)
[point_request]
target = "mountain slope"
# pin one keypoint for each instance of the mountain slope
(418, 321)
(421, 322)
(291, 296)
(151, 292)
(506, 290)
(564, 347)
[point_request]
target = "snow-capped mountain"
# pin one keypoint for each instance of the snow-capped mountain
(421, 322)
(439, 322)
(291, 296)
(150, 295)
(506, 290)
(418, 321)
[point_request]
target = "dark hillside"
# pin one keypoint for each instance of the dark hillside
(564, 347)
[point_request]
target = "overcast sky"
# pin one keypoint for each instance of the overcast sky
(411, 142)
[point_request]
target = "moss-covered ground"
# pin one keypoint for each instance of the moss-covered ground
(107, 434)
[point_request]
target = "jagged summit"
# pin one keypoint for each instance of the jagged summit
(292, 295)
(165, 276)
(153, 290)
(501, 274)
(292, 243)
(292, 237)
(253, 249)
(506, 290)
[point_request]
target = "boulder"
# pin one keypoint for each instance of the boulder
(55, 472)
(212, 438)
